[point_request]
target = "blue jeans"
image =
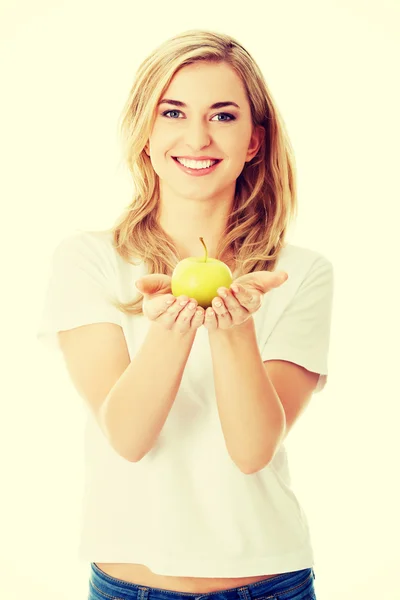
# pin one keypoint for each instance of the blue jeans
(296, 585)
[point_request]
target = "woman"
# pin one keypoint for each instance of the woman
(188, 489)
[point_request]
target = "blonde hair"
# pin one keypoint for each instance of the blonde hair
(266, 196)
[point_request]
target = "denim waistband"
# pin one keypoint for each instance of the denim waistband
(291, 584)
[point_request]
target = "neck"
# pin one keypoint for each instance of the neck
(186, 227)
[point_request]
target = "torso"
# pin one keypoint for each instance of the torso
(141, 575)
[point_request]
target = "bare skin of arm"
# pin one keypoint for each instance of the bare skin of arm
(130, 403)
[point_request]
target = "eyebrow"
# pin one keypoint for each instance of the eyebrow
(183, 105)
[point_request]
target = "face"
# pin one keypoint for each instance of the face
(197, 130)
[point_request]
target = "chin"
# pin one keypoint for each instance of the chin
(194, 192)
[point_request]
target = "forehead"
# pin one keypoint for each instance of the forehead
(206, 83)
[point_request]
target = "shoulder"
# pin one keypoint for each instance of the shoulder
(87, 246)
(86, 239)
(92, 253)
(301, 257)
(304, 264)
(308, 270)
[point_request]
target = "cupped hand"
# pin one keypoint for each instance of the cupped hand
(235, 306)
(180, 314)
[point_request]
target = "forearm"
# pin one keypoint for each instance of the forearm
(138, 405)
(250, 411)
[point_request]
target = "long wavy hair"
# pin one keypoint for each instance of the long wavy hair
(265, 197)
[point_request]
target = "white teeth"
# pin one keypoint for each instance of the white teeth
(196, 164)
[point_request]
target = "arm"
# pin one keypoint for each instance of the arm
(251, 414)
(129, 402)
(260, 395)
(137, 406)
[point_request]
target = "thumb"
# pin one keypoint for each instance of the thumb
(151, 284)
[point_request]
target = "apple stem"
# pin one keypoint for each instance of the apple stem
(205, 248)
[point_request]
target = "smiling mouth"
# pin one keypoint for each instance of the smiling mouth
(214, 161)
(197, 171)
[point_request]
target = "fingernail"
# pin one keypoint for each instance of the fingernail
(235, 288)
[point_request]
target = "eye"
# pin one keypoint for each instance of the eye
(164, 114)
(231, 117)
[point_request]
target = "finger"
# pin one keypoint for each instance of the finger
(279, 278)
(198, 318)
(169, 313)
(210, 320)
(154, 306)
(248, 299)
(183, 321)
(263, 281)
(224, 318)
(232, 303)
(270, 279)
(153, 283)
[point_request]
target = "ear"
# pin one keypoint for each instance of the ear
(255, 142)
(146, 149)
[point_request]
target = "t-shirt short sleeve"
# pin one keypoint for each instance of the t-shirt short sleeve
(82, 281)
(302, 333)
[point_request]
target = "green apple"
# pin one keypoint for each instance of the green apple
(199, 277)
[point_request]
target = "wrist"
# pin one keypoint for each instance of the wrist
(174, 335)
(234, 332)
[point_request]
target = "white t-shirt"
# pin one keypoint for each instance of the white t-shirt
(186, 509)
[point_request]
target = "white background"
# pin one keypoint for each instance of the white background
(66, 69)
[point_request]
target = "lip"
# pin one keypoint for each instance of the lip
(196, 172)
(198, 157)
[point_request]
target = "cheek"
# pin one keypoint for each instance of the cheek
(160, 145)
(237, 156)
(162, 133)
(236, 144)
(158, 164)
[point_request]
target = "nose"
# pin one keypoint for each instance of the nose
(197, 135)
